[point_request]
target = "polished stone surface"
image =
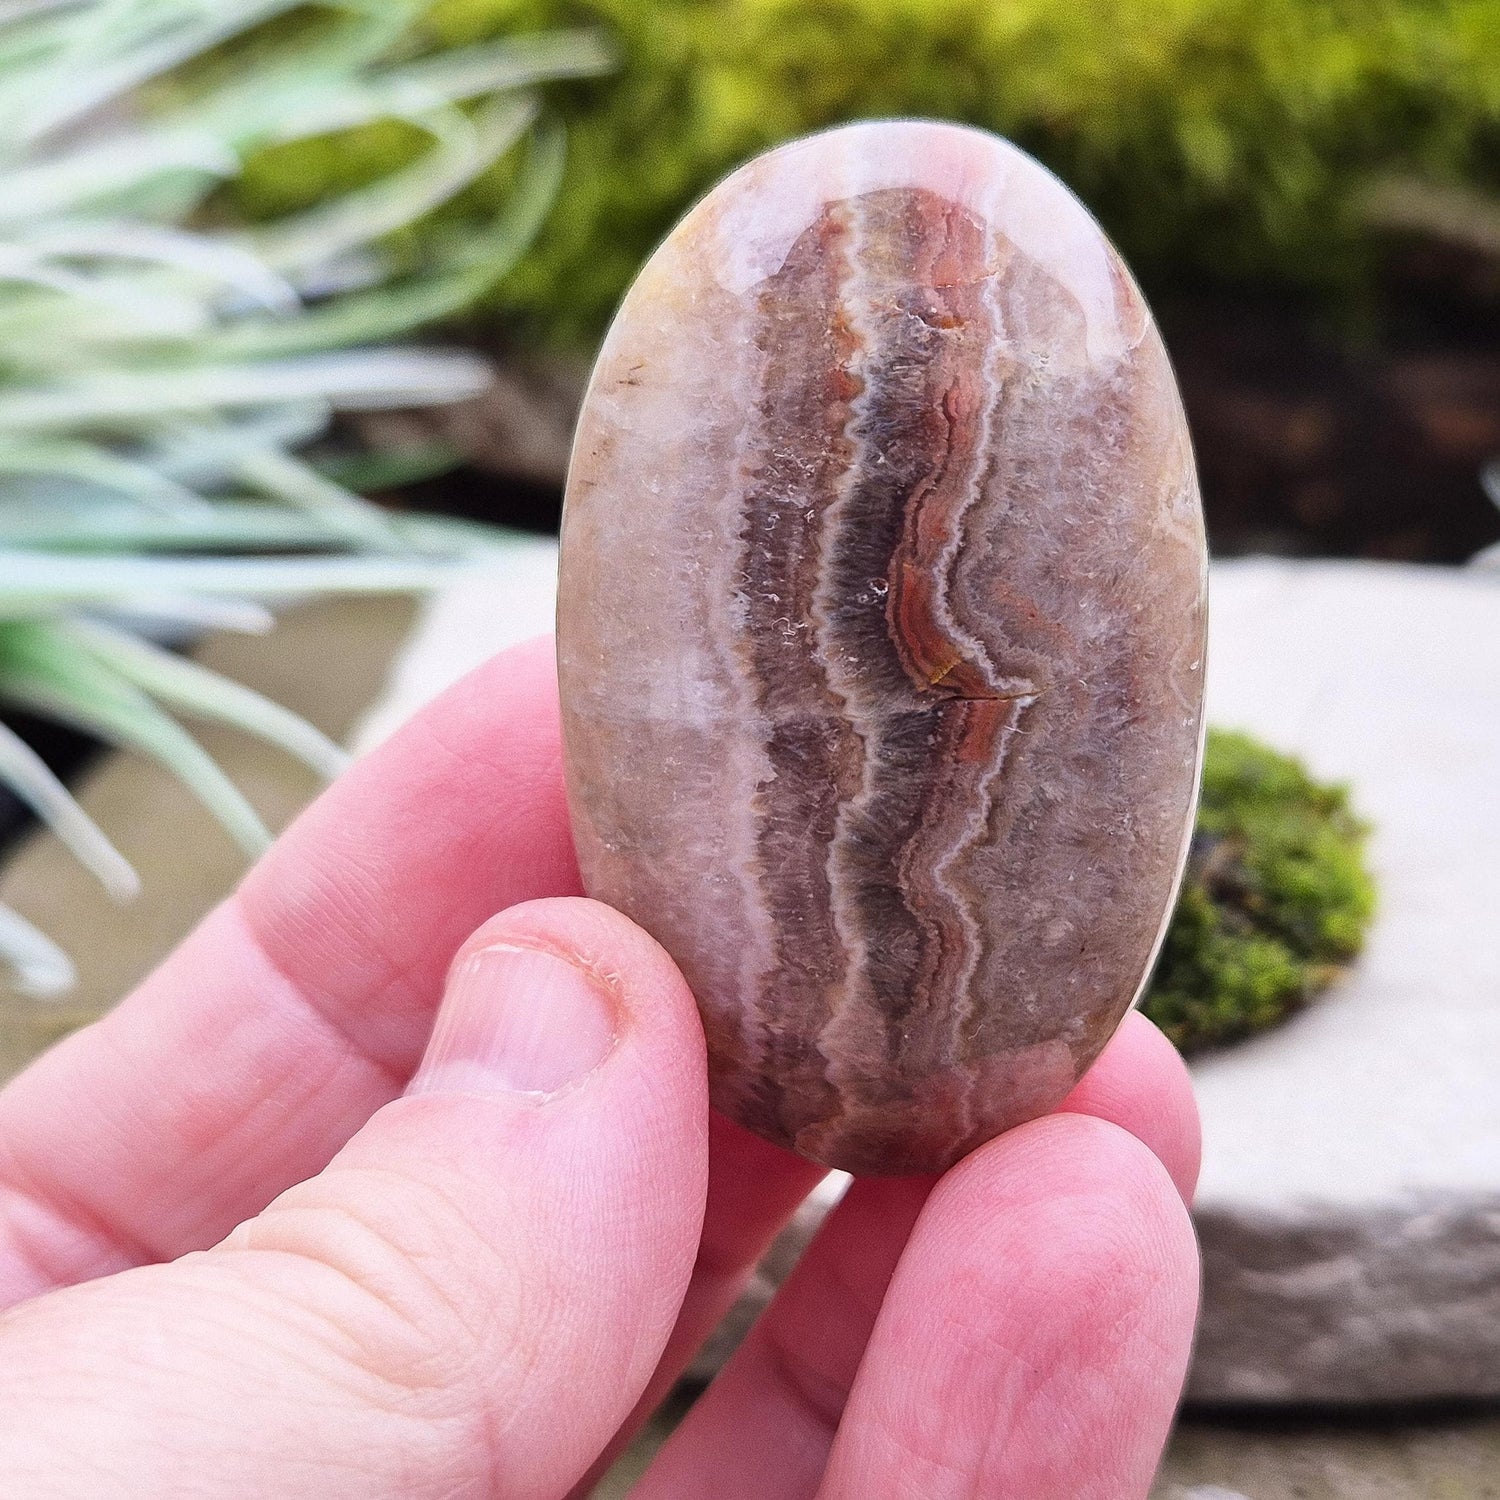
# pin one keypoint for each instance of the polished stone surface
(1348, 1206)
(881, 637)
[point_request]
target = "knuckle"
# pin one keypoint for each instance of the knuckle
(396, 1283)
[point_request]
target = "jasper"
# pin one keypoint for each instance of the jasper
(881, 635)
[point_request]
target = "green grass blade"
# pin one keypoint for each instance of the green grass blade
(38, 583)
(357, 380)
(191, 688)
(519, 62)
(109, 524)
(174, 617)
(207, 454)
(390, 311)
(32, 780)
(179, 614)
(90, 73)
(38, 967)
(359, 318)
(345, 514)
(209, 258)
(41, 669)
(368, 471)
(25, 10)
(19, 268)
(87, 464)
(292, 87)
(225, 526)
(113, 171)
(332, 103)
(462, 149)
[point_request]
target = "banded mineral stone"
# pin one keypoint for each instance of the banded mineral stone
(881, 637)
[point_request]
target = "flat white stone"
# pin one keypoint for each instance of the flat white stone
(1388, 678)
(499, 603)
(1350, 1200)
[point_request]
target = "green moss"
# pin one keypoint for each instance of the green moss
(1220, 139)
(1276, 899)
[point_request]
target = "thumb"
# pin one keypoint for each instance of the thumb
(467, 1300)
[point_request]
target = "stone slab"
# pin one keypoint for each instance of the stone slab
(1350, 1200)
(1431, 1455)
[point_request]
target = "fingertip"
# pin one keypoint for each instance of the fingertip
(654, 998)
(1074, 1213)
(1036, 1334)
(1069, 1163)
(655, 1077)
(1141, 1084)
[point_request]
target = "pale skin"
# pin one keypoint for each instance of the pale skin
(243, 1255)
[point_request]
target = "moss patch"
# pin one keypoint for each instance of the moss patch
(1276, 900)
(1227, 140)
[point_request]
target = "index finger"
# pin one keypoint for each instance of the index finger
(300, 1006)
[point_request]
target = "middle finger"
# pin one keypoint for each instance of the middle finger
(766, 1425)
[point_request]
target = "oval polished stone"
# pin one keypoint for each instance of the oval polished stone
(881, 636)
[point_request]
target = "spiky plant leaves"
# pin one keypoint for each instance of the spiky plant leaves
(159, 374)
(41, 669)
(29, 776)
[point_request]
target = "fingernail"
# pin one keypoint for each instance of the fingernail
(517, 1021)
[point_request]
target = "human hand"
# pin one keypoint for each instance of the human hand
(245, 1251)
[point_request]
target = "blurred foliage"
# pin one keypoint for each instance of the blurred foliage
(165, 382)
(1226, 140)
(1276, 900)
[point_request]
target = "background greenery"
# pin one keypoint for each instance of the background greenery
(161, 366)
(1226, 141)
(163, 380)
(1277, 898)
